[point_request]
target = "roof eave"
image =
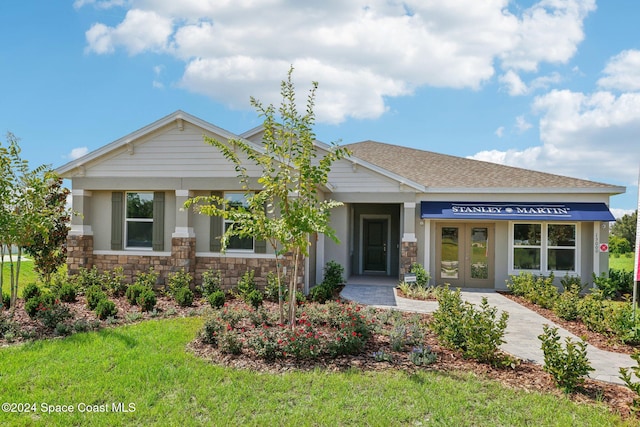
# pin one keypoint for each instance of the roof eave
(614, 190)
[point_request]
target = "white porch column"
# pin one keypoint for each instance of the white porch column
(81, 203)
(184, 227)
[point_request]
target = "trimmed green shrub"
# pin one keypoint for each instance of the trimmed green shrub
(30, 291)
(37, 303)
(216, 298)
(422, 276)
(88, 278)
(115, 282)
(179, 280)
(572, 284)
(333, 274)
(591, 310)
(146, 299)
(211, 282)
(106, 308)
(6, 300)
(67, 292)
(254, 298)
(184, 297)
(148, 279)
(133, 292)
(246, 285)
(94, 295)
(54, 315)
(566, 306)
(567, 366)
(321, 293)
(271, 290)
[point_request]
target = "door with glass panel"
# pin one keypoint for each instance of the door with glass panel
(465, 255)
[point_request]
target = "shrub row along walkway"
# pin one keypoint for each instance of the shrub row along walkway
(523, 327)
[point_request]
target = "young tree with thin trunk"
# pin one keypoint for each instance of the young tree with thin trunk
(288, 208)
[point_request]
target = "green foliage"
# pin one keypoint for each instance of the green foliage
(88, 278)
(422, 276)
(114, 283)
(333, 274)
(254, 298)
(30, 291)
(148, 279)
(631, 383)
(622, 281)
(619, 245)
(275, 289)
(67, 293)
(539, 290)
(478, 333)
(184, 297)
(410, 290)
(625, 227)
(572, 284)
(246, 285)
(94, 295)
(405, 333)
(54, 315)
(591, 310)
(321, 293)
(619, 320)
(216, 298)
(211, 282)
(5, 300)
(566, 306)
(382, 356)
(567, 366)
(39, 302)
(146, 299)
(133, 292)
(106, 308)
(179, 280)
(422, 356)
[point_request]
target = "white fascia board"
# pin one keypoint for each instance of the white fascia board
(528, 190)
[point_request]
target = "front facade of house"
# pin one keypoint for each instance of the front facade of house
(470, 223)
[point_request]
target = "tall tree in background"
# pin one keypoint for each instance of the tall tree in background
(625, 227)
(288, 208)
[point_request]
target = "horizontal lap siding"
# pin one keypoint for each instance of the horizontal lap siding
(362, 180)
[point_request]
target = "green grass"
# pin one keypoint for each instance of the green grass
(27, 275)
(621, 263)
(146, 364)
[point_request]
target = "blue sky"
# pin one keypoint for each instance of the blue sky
(551, 85)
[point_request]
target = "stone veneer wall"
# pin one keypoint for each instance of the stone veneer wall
(183, 256)
(408, 255)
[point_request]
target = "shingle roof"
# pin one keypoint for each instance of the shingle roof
(445, 171)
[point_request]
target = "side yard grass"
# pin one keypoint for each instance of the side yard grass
(147, 365)
(621, 262)
(27, 275)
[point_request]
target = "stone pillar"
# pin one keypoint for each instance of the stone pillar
(79, 253)
(183, 254)
(409, 245)
(408, 255)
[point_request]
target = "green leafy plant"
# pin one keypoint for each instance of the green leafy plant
(30, 291)
(567, 366)
(422, 356)
(211, 282)
(591, 310)
(216, 298)
(148, 279)
(184, 297)
(382, 356)
(94, 294)
(105, 309)
(321, 293)
(631, 383)
(146, 299)
(133, 292)
(566, 306)
(275, 288)
(179, 280)
(246, 285)
(254, 298)
(67, 293)
(6, 300)
(333, 274)
(87, 278)
(422, 276)
(572, 284)
(37, 303)
(114, 283)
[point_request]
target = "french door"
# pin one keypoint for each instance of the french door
(465, 255)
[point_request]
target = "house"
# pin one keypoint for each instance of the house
(469, 223)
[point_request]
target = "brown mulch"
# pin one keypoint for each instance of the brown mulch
(524, 376)
(577, 328)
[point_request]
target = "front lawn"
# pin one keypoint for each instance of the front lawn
(147, 365)
(622, 262)
(27, 275)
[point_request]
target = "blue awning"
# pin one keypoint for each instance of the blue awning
(516, 211)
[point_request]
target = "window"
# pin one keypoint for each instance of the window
(139, 220)
(544, 247)
(234, 201)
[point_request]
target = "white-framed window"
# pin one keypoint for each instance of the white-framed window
(245, 244)
(543, 247)
(139, 220)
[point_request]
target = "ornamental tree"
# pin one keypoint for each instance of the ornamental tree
(288, 207)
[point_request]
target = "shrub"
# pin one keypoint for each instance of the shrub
(417, 292)
(566, 306)
(211, 282)
(333, 274)
(184, 297)
(382, 356)
(30, 291)
(115, 282)
(271, 290)
(106, 308)
(146, 299)
(229, 342)
(422, 356)
(422, 276)
(572, 284)
(246, 285)
(619, 320)
(447, 319)
(54, 315)
(148, 279)
(216, 298)
(537, 289)
(622, 281)
(567, 366)
(88, 278)
(604, 283)
(254, 298)
(133, 292)
(41, 302)
(179, 280)
(94, 295)
(67, 292)
(321, 293)
(633, 385)
(591, 311)
(6, 300)
(405, 333)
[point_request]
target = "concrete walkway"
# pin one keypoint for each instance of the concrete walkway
(522, 331)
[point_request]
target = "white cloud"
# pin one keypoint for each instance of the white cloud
(361, 51)
(622, 72)
(99, 4)
(78, 152)
(515, 86)
(499, 132)
(522, 124)
(619, 213)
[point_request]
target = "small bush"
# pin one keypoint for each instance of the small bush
(622, 281)
(115, 282)
(567, 366)
(229, 342)
(382, 356)
(88, 278)
(179, 280)
(254, 298)
(184, 297)
(146, 299)
(54, 315)
(211, 282)
(41, 302)
(271, 290)
(632, 384)
(572, 284)
(133, 292)
(216, 298)
(67, 293)
(94, 295)
(148, 279)
(105, 309)
(333, 274)
(422, 356)
(591, 310)
(30, 291)
(6, 300)
(566, 306)
(246, 285)
(321, 293)
(422, 276)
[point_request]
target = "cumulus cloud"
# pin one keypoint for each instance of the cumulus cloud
(622, 72)
(499, 132)
(361, 51)
(78, 152)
